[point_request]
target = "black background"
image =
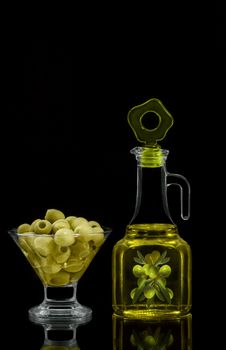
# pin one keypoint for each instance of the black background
(69, 80)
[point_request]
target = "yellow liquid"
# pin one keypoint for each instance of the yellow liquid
(168, 262)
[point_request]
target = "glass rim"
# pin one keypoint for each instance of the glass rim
(13, 232)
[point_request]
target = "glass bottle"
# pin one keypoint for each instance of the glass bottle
(151, 264)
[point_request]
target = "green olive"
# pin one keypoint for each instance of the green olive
(33, 224)
(150, 270)
(75, 276)
(170, 340)
(95, 240)
(97, 229)
(93, 223)
(64, 237)
(78, 221)
(43, 245)
(54, 214)
(73, 265)
(149, 292)
(83, 228)
(59, 279)
(149, 340)
(61, 254)
(50, 266)
(24, 245)
(60, 223)
(70, 219)
(30, 241)
(23, 228)
(43, 226)
(138, 271)
(165, 270)
(80, 250)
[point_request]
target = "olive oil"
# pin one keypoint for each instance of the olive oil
(151, 272)
(151, 264)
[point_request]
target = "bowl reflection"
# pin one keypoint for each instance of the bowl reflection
(60, 335)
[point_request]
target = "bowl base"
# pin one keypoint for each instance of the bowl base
(58, 312)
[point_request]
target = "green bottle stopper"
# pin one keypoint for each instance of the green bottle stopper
(143, 134)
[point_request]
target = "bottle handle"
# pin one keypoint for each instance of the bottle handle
(178, 176)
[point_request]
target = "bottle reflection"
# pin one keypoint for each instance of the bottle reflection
(154, 334)
(60, 335)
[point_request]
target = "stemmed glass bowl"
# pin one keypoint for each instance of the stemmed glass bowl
(60, 259)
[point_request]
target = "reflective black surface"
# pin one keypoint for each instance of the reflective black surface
(152, 333)
(65, 144)
(105, 331)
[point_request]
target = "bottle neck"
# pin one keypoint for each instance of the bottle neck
(151, 198)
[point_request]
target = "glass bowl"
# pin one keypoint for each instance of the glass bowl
(59, 266)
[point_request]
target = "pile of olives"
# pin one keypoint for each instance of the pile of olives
(60, 248)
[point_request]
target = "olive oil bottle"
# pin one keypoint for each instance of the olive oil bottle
(151, 264)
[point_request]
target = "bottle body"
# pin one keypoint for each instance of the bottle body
(151, 272)
(151, 264)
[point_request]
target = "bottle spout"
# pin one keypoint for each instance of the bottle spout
(150, 157)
